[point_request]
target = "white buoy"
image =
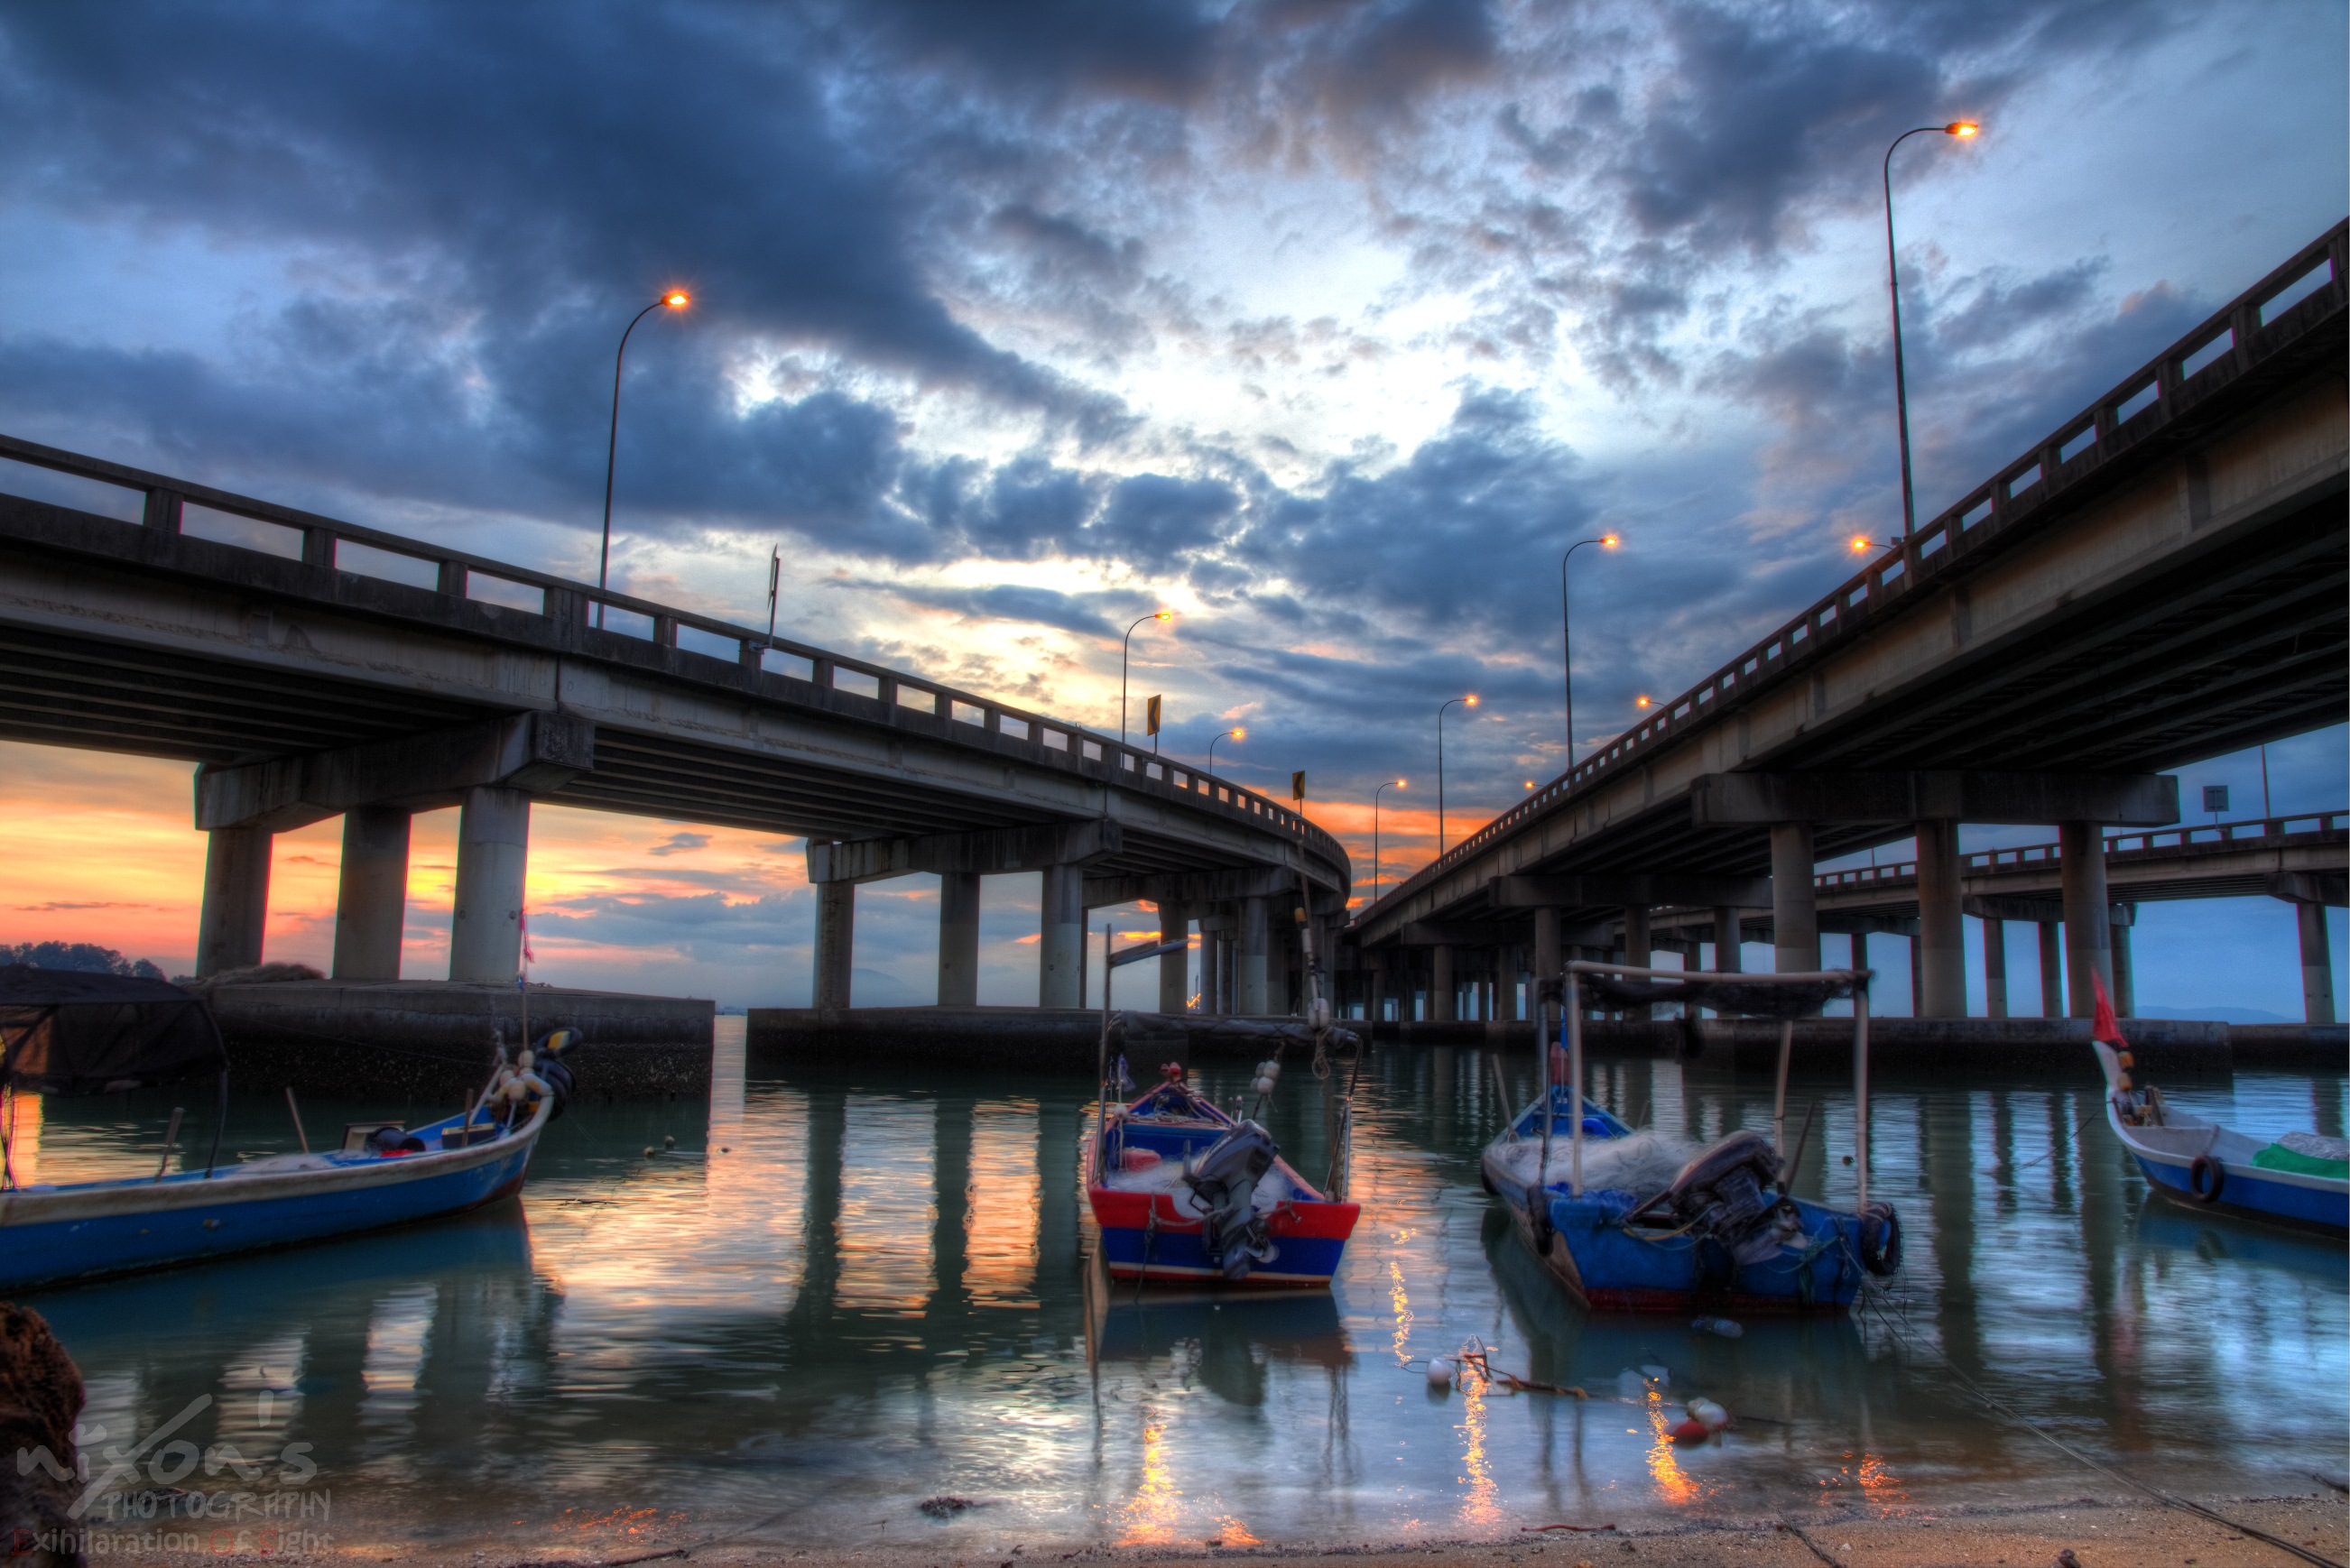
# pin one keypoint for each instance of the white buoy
(1440, 1372)
(1713, 1416)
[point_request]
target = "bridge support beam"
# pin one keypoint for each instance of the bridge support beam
(371, 902)
(1727, 938)
(957, 939)
(2088, 931)
(2317, 964)
(492, 860)
(1174, 969)
(1249, 997)
(1942, 921)
(1440, 985)
(836, 942)
(1794, 906)
(1061, 953)
(1640, 947)
(1994, 967)
(2125, 985)
(2052, 971)
(236, 900)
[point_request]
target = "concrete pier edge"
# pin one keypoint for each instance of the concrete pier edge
(1063, 1040)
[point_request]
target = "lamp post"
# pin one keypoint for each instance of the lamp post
(1470, 699)
(1566, 638)
(1961, 129)
(1391, 784)
(1236, 735)
(1122, 649)
(675, 299)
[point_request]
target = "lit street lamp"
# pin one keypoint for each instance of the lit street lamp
(1470, 701)
(1391, 784)
(1566, 638)
(1961, 129)
(675, 299)
(1122, 649)
(1236, 735)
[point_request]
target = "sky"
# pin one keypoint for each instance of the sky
(1327, 323)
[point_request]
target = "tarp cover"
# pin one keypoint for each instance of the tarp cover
(70, 1032)
(1761, 999)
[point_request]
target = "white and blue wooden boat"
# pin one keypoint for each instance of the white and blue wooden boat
(2301, 1179)
(66, 1033)
(1719, 1234)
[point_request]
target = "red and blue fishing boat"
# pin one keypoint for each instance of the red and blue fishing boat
(1185, 1192)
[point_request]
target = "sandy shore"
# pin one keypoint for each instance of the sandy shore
(2099, 1535)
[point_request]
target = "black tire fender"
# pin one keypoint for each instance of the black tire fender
(2207, 1179)
(1881, 1240)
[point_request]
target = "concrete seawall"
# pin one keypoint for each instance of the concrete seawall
(432, 1040)
(1063, 1040)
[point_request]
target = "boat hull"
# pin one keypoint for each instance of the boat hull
(1308, 1239)
(1602, 1268)
(2246, 1192)
(64, 1235)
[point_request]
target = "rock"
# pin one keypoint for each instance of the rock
(40, 1398)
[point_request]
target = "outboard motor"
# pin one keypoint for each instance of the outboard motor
(1225, 1180)
(1724, 1193)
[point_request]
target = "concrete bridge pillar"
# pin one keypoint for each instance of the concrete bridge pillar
(1513, 965)
(1941, 922)
(1442, 1005)
(957, 939)
(1549, 967)
(1061, 954)
(236, 900)
(2088, 931)
(1249, 997)
(836, 942)
(1994, 968)
(1726, 935)
(1174, 969)
(1639, 951)
(1794, 908)
(2124, 988)
(2052, 971)
(2317, 964)
(1860, 961)
(492, 857)
(371, 904)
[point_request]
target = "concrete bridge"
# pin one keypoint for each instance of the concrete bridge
(2165, 578)
(315, 667)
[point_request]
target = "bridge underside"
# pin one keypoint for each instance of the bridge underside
(2243, 642)
(163, 702)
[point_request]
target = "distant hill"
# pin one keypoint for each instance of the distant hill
(2214, 1014)
(87, 957)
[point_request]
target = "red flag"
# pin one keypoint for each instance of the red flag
(522, 919)
(2105, 1026)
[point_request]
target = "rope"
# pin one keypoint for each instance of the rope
(2166, 1499)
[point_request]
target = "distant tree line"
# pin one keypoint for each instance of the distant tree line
(88, 957)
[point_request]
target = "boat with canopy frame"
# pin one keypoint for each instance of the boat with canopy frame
(1722, 1233)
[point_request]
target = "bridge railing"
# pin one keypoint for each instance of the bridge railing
(243, 522)
(2258, 831)
(2270, 319)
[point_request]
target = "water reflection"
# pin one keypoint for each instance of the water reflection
(844, 1294)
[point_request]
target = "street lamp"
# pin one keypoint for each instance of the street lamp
(1961, 129)
(1565, 640)
(1236, 735)
(1470, 701)
(1391, 784)
(1122, 648)
(675, 299)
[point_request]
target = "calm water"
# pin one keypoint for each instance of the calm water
(876, 1294)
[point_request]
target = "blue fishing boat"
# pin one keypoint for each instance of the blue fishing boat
(2301, 1179)
(69, 1033)
(1628, 1221)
